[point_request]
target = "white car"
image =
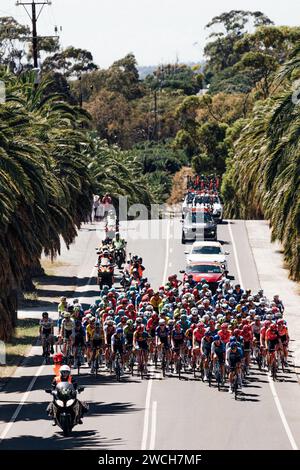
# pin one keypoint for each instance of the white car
(204, 251)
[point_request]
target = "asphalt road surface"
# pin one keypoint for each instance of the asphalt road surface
(156, 413)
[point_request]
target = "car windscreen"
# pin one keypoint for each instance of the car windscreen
(205, 269)
(206, 250)
(199, 217)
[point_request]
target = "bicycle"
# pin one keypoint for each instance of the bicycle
(78, 359)
(163, 361)
(131, 362)
(46, 350)
(210, 370)
(236, 385)
(142, 364)
(218, 375)
(274, 367)
(118, 366)
(95, 361)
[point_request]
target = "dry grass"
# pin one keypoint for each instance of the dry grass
(50, 267)
(179, 185)
(20, 345)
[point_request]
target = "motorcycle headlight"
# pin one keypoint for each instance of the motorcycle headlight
(60, 403)
(70, 402)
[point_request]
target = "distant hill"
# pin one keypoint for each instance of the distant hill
(145, 70)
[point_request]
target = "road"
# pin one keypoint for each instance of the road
(158, 413)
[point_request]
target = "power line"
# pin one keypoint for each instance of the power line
(34, 16)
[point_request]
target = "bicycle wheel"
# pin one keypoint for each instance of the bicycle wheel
(236, 388)
(274, 371)
(96, 365)
(163, 365)
(155, 359)
(179, 366)
(118, 370)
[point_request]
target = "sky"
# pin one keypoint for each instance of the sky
(156, 31)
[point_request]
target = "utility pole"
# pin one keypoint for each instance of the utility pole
(34, 18)
(155, 116)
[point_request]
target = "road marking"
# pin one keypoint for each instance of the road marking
(146, 417)
(24, 399)
(272, 386)
(153, 425)
(282, 415)
(167, 251)
(235, 255)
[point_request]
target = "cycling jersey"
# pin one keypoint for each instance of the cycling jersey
(46, 326)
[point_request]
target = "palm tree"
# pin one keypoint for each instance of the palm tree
(46, 191)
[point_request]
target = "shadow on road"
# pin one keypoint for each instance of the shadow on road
(77, 440)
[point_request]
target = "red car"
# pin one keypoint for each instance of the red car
(211, 272)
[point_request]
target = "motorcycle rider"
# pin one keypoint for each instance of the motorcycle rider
(65, 376)
(119, 243)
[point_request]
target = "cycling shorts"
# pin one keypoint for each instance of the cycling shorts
(79, 341)
(118, 347)
(67, 334)
(178, 343)
(233, 363)
(283, 339)
(143, 345)
(46, 332)
(272, 344)
(247, 346)
(220, 358)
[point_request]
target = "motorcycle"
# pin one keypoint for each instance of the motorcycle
(119, 257)
(66, 406)
(105, 274)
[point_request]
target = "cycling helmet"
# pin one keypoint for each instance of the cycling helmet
(216, 338)
(119, 331)
(58, 358)
(67, 314)
(162, 321)
(45, 314)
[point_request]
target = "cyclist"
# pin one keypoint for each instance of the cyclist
(79, 338)
(283, 335)
(141, 345)
(67, 330)
(205, 351)
(162, 333)
(272, 339)
(218, 355)
(46, 331)
(233, 362)
(96, 342)
(118, 346)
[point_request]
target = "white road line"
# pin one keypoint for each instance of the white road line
(24, 399)
(235, 255)
(272, 386)
(167, 251)
(282, 415)
(146, 417)
(149, 386)
(153, 425)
